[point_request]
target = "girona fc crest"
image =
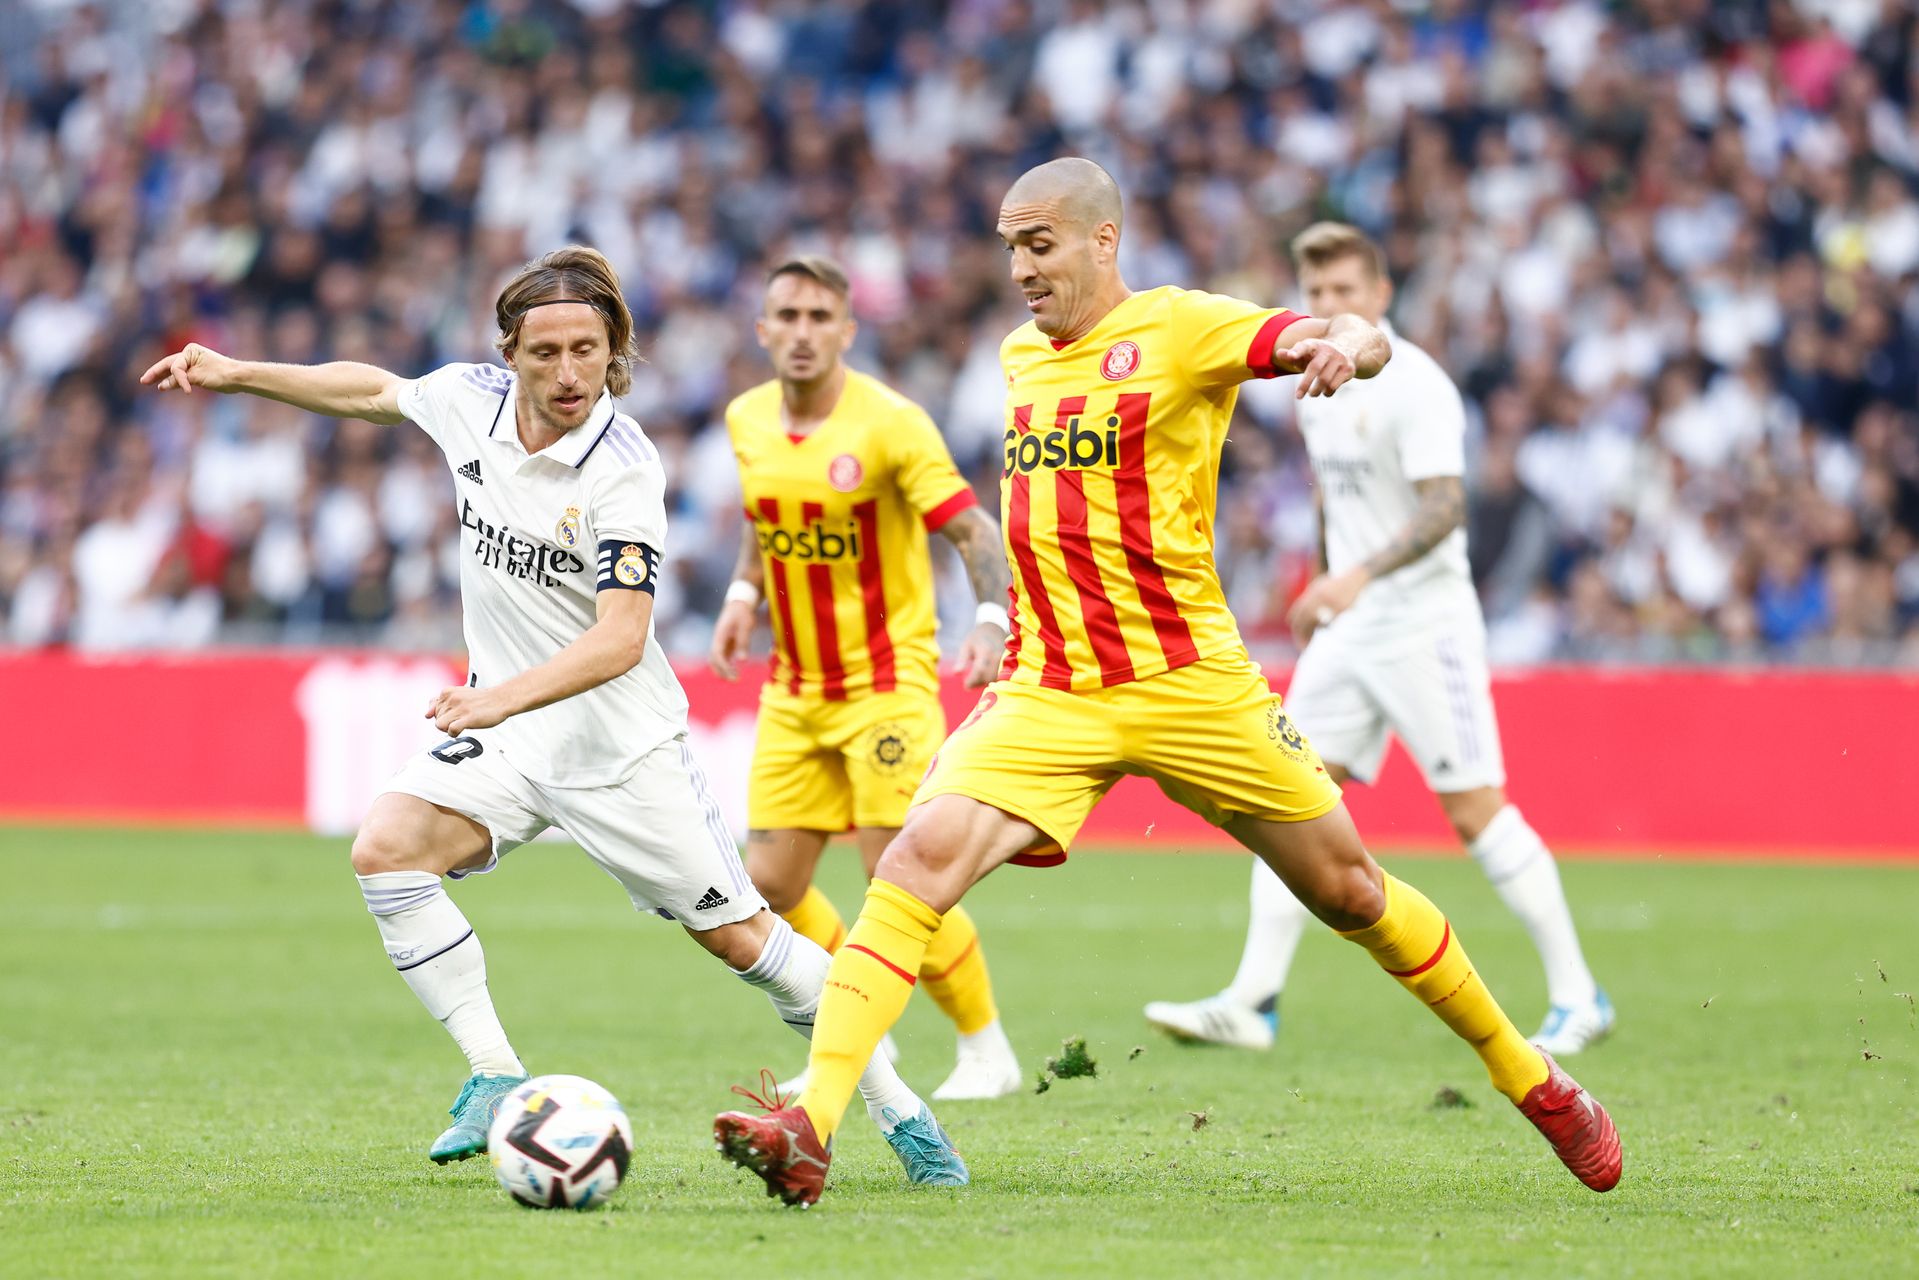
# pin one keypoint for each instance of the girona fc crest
(845, 473)
(1121, 359)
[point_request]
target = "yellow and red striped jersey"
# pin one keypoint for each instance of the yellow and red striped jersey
(842, 515)
(1110, 476)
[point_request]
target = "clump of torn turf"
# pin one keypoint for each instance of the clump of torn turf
(1449, 1099)
(1071, 1062)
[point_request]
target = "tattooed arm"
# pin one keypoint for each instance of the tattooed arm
(1441, 509)
(975, 535)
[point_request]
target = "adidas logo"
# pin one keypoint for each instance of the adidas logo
(710, 899)
(471, 471)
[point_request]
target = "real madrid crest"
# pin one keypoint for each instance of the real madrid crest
(631, 568)
(567, 532)
(1121, 359)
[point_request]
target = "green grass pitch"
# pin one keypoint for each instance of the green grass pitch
(211, 1070)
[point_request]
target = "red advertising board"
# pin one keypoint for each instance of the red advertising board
(1643, 761)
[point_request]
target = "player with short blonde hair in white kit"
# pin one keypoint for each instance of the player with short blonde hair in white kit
(1395, 644)
(571, 717)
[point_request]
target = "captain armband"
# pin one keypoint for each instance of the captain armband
(627, 566)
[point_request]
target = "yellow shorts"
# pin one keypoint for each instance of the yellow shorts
(1211, 734)
(830, 766)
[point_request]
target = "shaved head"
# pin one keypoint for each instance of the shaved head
(1060, 224)
(1075, 186)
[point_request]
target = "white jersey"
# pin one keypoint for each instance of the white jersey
(1369, 442)
(538, 534)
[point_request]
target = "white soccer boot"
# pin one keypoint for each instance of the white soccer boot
(985, 1068)
(1215, 1020)
(1570, 1028)
(791, 1088)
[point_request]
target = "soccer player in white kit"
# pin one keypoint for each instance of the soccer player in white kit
(1395, 644)
(571, 717)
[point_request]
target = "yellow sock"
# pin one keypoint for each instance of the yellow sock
(1415, 944)
(954, 974)
(866, 991)
(815, 917)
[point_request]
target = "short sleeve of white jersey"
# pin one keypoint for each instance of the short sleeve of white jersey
(432, 403)
(627, 509)
(1429, 422)
(630, 504)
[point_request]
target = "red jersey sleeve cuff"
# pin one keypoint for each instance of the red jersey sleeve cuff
(1259, 356)
(946, 510)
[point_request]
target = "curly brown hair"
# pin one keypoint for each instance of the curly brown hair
(573, 274)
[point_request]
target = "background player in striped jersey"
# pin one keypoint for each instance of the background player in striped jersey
(843, 479)
(1395, 644)
(1124, 659)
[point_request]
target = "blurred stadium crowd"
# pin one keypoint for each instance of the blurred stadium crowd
(1669, 249)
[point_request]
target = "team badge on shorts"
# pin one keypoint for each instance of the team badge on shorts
(844, 473)
(1286, 735)
(1121, 359)
(567, 531)
(631, 568)
(888, 749)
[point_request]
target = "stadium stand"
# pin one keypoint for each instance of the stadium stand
(1670, 249)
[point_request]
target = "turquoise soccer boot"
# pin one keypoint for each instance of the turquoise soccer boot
(472, 1113)
(924, 1148)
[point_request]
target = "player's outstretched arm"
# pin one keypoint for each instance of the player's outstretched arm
(611, 647)
(1329, 353)
(1441, 509)
(975, 535)
(733, 629)
(340, 389)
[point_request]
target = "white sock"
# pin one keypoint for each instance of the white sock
(791, 970)
(1522, 869)
(439, 955)
(1278, 922)
(990, 1038)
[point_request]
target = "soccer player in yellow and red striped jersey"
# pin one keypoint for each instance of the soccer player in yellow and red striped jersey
(843, 480)
(1124, 659)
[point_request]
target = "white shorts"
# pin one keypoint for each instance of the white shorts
(659, 833)
(1429, 688)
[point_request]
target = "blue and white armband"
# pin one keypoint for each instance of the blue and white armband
(627, 566)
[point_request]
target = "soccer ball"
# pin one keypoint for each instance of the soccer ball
(560, 1142)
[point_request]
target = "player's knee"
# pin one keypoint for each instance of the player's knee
(735, 950)
(911, 852)
(381, 846)
(782, 887)
(1468, 812)
(1347, 897)
(930, 867)
(736, 945)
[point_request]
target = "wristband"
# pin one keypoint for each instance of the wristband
(743, 592)
(988, 612)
